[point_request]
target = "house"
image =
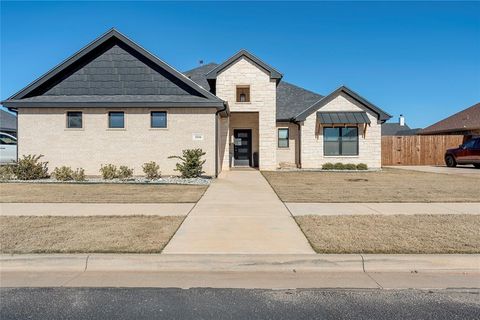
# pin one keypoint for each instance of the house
(8, 123)
(465, 122)
(114, 102)
(399, 128)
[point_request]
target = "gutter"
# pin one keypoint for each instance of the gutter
(225, 109)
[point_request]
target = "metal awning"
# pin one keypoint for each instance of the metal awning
(343, 117)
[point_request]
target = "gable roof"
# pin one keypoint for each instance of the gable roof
(113, 69)
(465, 120)
(381, 115)
(274, 74)
(395, 129)
(8, 121)
(291, 99)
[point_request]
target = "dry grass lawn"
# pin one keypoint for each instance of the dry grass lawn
(393, 234)
(101, 193)
(107, 234)
(388, 185)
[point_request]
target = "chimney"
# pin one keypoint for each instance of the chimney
(401, 120)
(200, 62)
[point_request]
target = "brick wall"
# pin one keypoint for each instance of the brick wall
(43, 131)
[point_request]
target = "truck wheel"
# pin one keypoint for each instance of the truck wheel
(450, 161)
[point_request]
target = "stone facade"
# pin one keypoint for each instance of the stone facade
(288, 157)
(262, 102)
(43, 131)
(369, 151)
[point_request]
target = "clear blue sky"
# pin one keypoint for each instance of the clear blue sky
(421, 59)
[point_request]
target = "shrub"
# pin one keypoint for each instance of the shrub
(191, 165)
(362, 166)
(328, 166)
(30, 168)
(63, 173)
(151, 170)
(339, 166)
(108, 171)
(350, 166)
(6, 172)
(124, 172)
(79, 174)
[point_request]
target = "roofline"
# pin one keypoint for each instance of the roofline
(106, 104)
(452, 130)
(274, 74)
(381, 115)
(95, 43)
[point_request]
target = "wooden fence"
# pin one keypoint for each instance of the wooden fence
(417, 150)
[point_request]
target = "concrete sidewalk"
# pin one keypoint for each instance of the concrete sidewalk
(239, 214)
(241, 271)
(467, 171)
(94, 209)
(302, 209)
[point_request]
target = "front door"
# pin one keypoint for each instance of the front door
(242, 147)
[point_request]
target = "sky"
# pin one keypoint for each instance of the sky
(419, 59)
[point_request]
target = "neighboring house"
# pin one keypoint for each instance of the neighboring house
(114, 102)
(8, 123)
(465, 122)
(399, 128)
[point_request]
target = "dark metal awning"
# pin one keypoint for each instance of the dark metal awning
(343, 117)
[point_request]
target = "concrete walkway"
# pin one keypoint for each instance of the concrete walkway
(330, 209)
(94, 209)
(469, 171)
(239, 214)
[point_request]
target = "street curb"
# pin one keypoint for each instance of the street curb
(240, 263)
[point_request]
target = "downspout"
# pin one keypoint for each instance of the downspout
(217, 154)
(299, 144)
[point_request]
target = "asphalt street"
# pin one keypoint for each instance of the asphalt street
(206, 303)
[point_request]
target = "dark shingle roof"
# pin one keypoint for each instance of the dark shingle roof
(274, 74)
(365, 104)
(115, 69)
(465, 120)
(8, 121)
(291, 99)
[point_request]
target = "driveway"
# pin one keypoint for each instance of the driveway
(239, 213)
(459, 170)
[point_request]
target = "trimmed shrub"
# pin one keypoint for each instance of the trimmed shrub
(108, 171)
(191, 165)
(362, 166)
(79, 174)
(328, 166)
(350, 166)
(63, 173)
(6, 172)
(124, 172)
(30, 168)
(339, 166)
(151, 170)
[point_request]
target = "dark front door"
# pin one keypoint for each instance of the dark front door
(242, 147)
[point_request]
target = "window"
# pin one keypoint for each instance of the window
(469, 144)
(243, 93)
(340, 141)
(158, 119)
(4, 139)
(116, 120)
(283, 135)
(74, 120)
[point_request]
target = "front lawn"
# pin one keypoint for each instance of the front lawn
(388, 185)
(407, 234)
(105, 234)
(100, 193)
